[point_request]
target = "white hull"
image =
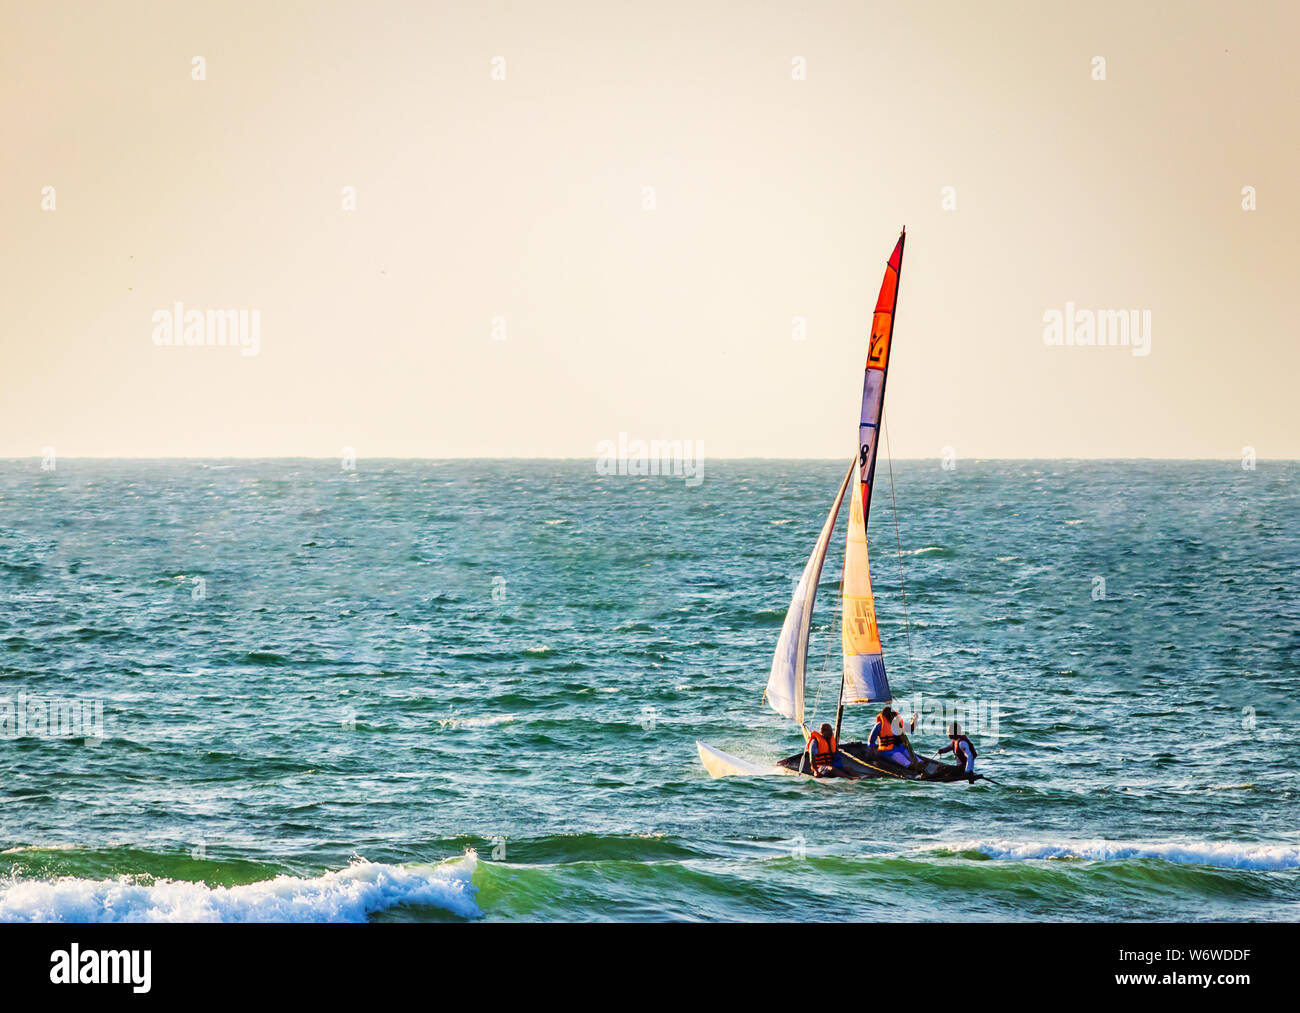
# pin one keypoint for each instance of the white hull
(720, 764)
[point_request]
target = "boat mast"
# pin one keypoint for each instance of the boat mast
(839, 700)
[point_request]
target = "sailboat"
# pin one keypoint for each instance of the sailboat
(862, 674)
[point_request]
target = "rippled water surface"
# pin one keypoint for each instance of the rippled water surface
(472, 690)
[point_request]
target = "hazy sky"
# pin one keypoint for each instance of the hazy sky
(524, 199)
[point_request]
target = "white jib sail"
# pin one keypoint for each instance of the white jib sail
(785, 684)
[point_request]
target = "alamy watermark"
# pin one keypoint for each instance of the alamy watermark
(193, 328)
(32, 716)
(979, 718)
(676, 458)
(1089, 328)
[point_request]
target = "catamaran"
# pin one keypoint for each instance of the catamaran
(862, 674)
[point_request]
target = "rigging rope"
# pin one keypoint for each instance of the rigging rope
(907, 622)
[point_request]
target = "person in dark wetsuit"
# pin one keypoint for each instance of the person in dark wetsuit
(961, 748)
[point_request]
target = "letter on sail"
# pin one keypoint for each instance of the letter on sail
(864, 662)
(785, 684)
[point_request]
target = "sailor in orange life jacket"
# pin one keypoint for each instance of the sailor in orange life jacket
(821, 750)
(888, 739)
(961, 748)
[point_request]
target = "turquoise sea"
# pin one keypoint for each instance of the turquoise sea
(471, 690)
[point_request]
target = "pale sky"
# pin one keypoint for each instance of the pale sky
(524, 199)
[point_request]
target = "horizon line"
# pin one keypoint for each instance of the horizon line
(380, 457)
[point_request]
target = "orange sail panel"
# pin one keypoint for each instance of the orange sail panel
(877, 369)
(864, 662)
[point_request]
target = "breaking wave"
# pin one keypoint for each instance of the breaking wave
(347, 895)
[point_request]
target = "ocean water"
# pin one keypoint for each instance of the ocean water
(471, 690)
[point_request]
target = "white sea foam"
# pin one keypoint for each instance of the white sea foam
(486, 721)
(39, 847)
(348, 895)
(1223, 854)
